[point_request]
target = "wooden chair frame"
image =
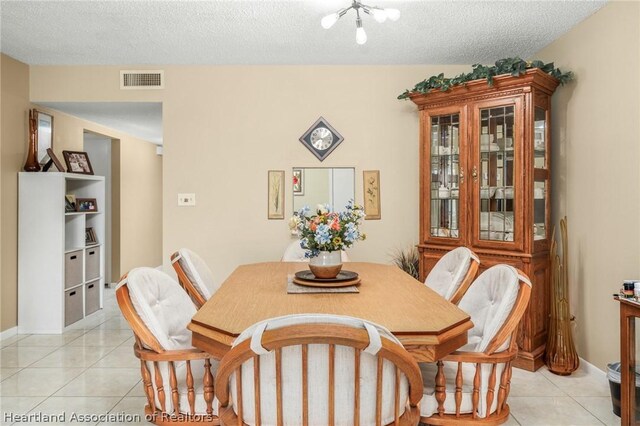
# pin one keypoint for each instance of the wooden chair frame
(156, 354)
(185, 282)
(304, 335)
(474, 264)
(489, 356)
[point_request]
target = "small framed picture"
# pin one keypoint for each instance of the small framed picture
(275, 191)
(90, 237)
(45, 135)
(53, 160)
(77, 162)
(87, 205)
(69, 203)
(371, 181)
(298, 182)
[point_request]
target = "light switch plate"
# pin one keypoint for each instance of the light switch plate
(186, 200)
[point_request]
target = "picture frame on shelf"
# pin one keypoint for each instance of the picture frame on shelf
(53, 161)
(45, 135)
(275, 194)
(371, 183)
(69, 203)
(90, 238)
(87, 205)
(77, 162)
(298, 182)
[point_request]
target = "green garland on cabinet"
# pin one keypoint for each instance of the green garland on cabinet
(514, 66)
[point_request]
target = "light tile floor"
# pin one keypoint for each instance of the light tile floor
(91, 369)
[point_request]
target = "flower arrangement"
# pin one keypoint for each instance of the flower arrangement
(327, 230)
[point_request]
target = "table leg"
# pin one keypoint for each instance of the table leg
(628, 355)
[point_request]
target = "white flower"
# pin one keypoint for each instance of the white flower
(293, 222)
(322, 209)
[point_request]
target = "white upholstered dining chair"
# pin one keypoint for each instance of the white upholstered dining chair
(177, 378)
(316, 369)
(453, 273)
(295, 253)
(473, 383)
(194, 275)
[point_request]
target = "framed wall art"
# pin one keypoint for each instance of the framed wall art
(45, 135)
(298, 182)
(371, 181)
(77, 162)
(275, 198)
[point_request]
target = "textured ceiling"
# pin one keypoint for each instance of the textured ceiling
(279, 32)
(142, 120)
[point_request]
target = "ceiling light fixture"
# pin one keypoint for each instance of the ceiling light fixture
(379, 14)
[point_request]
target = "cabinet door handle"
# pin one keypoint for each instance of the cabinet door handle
(92, 252)
(91, 286)
(474, 173)
(73, 257)
(461, 174)
(73, 293)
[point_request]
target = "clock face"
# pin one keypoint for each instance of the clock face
(321, 138)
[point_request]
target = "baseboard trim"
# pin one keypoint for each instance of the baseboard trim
(10, 332)
(592, 369)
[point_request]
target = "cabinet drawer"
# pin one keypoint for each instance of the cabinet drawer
(73, 300)
(92, 260)
(92, 297)
(73, 263)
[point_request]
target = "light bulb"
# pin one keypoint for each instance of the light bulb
(328, 21)
(379, 14)
(393, 14)
(361, 36)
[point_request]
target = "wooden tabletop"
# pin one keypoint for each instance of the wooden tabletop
(424, 322)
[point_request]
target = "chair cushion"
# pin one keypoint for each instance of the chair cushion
(318, 374)
(198, 273)
(429, 404)
(447, 275)
(295, 253)
(163, 306)
(489, 302)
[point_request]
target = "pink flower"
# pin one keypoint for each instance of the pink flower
(335, 224)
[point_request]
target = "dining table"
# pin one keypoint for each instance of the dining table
(427, 325)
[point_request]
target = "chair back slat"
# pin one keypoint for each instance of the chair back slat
(379, 391)
(332, 383)
(492, 386)
(239, 397)
(356, 386)
(173, 382)
(159, 386)
(476, 391)
(256, 387)
(279, 414)
(396, 398)
(458, 395)
(208, 386)
(305, 385)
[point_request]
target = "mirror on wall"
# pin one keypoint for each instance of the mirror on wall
(323, 185)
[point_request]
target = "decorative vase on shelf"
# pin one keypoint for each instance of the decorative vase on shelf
(32, 165)
(561, 357)
(326, 265)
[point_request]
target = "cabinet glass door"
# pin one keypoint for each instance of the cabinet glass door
(444, 182)
(540, 174)
(496, 174)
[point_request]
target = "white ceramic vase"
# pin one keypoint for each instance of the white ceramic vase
(326, 265)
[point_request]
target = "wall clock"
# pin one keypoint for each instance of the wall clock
(321, 139)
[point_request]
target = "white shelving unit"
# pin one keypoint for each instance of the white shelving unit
(60, 278)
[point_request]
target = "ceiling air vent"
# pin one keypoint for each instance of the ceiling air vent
(145, 79)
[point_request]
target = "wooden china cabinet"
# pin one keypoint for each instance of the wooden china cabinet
(485, 184)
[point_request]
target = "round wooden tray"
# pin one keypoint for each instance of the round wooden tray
(344, 279)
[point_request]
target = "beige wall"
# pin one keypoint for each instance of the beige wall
(596, 168)
(140, 192)
(14, 111)
(224, 127)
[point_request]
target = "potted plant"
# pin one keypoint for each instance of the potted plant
(325, 234)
